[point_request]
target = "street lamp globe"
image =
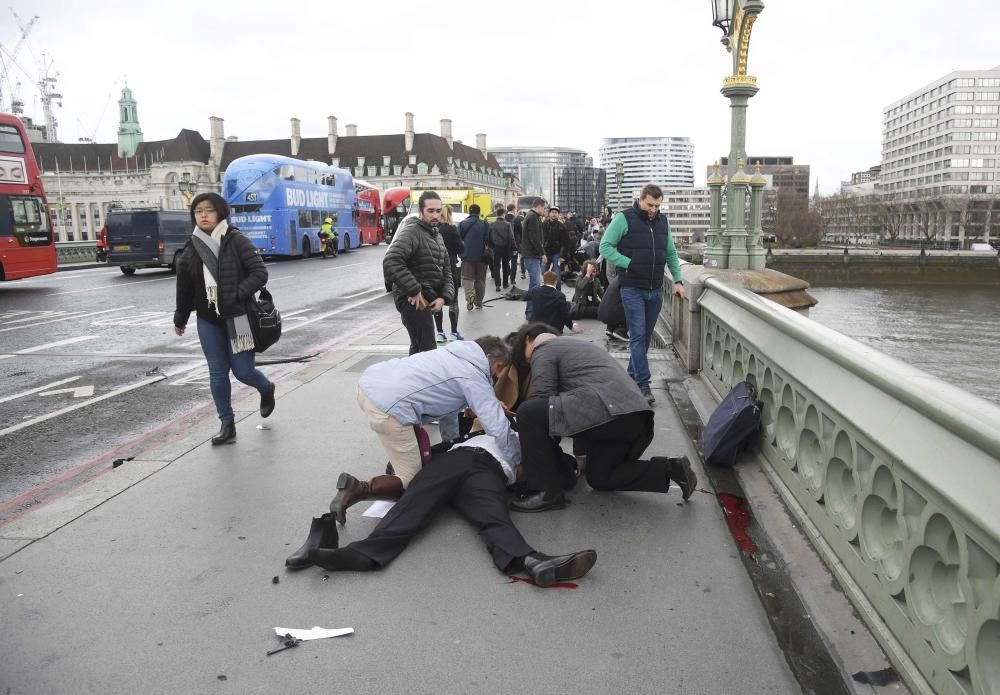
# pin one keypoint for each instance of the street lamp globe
(722, 15)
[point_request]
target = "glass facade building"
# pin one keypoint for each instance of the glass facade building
(565, 177)
(667, 162)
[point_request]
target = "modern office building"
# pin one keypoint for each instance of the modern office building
(689, 211)
(784, 173)
(565, 177)
(668, 162)
(940, 165)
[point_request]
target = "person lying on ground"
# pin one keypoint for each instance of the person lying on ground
(472, 478)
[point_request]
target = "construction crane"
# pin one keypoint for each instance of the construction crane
(15, 101)
(90, 134)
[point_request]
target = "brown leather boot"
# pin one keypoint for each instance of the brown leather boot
(385, 487)
(350, 491)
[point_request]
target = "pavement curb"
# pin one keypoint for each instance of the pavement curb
(819, 630)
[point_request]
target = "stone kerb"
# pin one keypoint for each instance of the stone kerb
(892, 473)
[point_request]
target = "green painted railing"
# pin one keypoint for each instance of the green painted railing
(893, 473)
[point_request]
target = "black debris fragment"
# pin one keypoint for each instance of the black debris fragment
(289, 642)
(883, 677)
(118, 462)
(154, 370)
(275, 579)
(222, 678)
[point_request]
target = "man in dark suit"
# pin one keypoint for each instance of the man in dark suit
(546, 304)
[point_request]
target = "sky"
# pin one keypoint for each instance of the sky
(540, 73)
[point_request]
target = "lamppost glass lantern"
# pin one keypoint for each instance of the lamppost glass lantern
(722, 15)
(187, 188)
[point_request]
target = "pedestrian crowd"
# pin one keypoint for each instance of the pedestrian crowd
(502, 404)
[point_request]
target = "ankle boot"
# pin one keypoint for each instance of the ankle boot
(226, 435)
(350, 491)
(322, 534)
(267, 400)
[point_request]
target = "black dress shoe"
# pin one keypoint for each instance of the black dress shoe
(546, 570)
(679, 470)
(538, 502)
(267, 401)
(226, 435)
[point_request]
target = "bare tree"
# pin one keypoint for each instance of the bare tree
(795, 225)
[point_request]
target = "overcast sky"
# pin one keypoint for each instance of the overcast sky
(525, 73)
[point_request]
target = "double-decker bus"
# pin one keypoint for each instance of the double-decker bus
(395, 207)
(27, 244)
(280, 203)
(368, 212)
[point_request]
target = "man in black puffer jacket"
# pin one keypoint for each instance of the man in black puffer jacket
(417, 268)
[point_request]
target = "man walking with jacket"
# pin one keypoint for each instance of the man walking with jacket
(475, 233)
(503, 247)
(533, 242)
(417, 268)
(639, 244)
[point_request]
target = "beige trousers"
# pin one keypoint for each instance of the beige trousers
(399, 441)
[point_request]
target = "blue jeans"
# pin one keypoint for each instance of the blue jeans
(553, 263)
(642, 308)
(534, 268)
(214, 340)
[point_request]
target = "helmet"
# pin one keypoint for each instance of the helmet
(328, 220)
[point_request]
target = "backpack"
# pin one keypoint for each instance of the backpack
(732, 426)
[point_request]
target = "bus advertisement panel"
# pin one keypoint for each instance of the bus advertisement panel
(459, 200)
(280, 203)
(27, 240)
(369, 212)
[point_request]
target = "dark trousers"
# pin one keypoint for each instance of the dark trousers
(419, 324)
(468, 479)
(501, 269)
(613, 451)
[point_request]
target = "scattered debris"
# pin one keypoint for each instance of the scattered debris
(222, 678)
(154, 370)
(883, 677)
(303, 634)
(289, 642)
(325, 577)
(275, 579)
(263, 427)
(118, 462)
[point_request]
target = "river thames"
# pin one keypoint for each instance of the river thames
(950, 332)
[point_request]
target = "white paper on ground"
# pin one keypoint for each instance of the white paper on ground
(379, 509)
(316, 632)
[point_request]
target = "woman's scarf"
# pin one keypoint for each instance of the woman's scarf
(238, 327)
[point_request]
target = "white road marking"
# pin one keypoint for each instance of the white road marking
(40, 388)
(45, 315)
(77, 391)
(332, 313)
(358, 294)
(283, 277)
(116, 286)
(285, 315)
(58, 343)
(66, 318)
(77, 406)
(338, 267)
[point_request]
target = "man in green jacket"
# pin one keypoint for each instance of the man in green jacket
(638, 242)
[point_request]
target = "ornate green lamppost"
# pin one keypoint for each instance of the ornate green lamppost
(734, 246)
(619, 179)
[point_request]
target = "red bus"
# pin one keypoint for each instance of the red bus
(395, 206)
(27, 243)
(368, 206)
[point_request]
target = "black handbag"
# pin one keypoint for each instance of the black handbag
(265, 320)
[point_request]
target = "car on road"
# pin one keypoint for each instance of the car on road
(147, 238)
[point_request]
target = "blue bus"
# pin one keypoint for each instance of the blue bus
(280, 203)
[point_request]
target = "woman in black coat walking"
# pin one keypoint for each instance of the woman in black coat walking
(452, 242)
(218, 292)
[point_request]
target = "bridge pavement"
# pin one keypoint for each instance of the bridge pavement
(158, 576)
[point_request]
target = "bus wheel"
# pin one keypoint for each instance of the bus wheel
(306, 248)
(127, 269)
(347, 242)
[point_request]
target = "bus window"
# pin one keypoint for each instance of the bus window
(304, 221)
(28, 212)
(316, 221)
(247, 208)
(287, 172)
(333, 216)
(10, 140)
